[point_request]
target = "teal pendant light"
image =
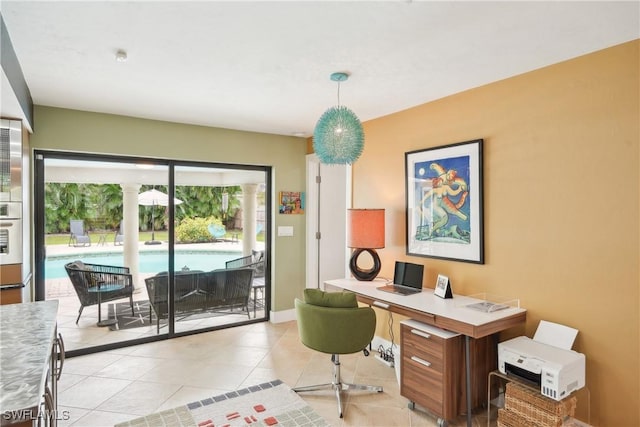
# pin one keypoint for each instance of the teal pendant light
(338, 137)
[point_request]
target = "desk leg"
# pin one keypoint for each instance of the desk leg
(467, 354)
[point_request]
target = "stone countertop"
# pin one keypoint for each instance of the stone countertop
(27, 332)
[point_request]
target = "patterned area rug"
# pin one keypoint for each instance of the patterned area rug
(267, 404)
(121, 311)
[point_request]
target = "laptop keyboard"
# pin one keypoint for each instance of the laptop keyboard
(402, 290)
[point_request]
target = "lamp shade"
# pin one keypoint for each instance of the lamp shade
(365, 228)
(338, 137)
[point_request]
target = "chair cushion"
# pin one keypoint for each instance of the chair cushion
(77, 265)
(330, 299)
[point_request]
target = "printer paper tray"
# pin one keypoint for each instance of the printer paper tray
(531, 377)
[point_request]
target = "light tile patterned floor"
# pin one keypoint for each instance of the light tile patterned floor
(112, 387)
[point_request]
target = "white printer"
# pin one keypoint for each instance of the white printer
(545, 360)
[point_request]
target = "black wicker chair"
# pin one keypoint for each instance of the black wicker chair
(255, 261)
(86, 277)
(200, 292)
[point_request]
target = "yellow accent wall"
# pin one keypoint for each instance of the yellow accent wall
(561, 205)
(87, 132)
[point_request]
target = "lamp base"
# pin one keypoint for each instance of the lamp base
(365, 275)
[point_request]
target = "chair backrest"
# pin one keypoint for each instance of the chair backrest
(230, 286)
(239, 262)
(76, 226)
(81, 281)
(254, 261)
(186, 291)
(335, 330)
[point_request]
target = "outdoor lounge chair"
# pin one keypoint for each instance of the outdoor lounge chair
(79, 236)
(96, 284)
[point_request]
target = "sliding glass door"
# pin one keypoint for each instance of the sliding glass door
(138, 249)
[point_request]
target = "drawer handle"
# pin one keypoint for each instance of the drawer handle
(380, 304)
(420, 333)
(420, 361)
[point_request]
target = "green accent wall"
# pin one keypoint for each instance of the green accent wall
(96, 133)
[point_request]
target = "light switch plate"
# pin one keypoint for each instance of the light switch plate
(285, 231)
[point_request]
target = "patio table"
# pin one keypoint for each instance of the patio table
(99, 289)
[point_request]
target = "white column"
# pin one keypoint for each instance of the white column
(131, 231)
(249, 206)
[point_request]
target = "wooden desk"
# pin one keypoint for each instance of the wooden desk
(449, 314)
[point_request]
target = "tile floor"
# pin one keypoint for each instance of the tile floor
(109, 387)
(86, 334)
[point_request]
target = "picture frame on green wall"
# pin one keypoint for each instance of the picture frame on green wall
(444, 202)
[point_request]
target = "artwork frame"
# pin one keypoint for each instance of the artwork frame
(443, 287)
(444, 202)
(291, 202)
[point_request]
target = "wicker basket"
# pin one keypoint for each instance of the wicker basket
(562, 408)
(536, 409)
(511, 419)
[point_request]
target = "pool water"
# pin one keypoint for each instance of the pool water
(150, 262)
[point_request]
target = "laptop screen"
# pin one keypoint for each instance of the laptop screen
(408, 274)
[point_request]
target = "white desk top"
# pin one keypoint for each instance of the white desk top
(426, 307)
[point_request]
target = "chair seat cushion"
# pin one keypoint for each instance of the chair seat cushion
(330, 299)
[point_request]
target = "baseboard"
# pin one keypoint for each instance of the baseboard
(282, 316)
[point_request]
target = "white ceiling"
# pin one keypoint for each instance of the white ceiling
(264, 66)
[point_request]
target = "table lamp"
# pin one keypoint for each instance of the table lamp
(365, 233)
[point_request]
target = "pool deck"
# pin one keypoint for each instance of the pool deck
(66, 250)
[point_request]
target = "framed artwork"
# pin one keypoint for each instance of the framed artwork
(444, 202)
(443, 287)
(291, 202)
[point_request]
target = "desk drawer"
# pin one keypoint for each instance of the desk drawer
(430, 367)
(423, 386)
(425, 348)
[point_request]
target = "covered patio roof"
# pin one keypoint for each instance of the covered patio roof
(85, 172)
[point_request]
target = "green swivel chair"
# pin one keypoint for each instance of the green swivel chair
(332, 323)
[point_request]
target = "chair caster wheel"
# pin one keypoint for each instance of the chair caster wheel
(442, 423)
(366, 352)
(411, 405)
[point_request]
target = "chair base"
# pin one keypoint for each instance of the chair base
(337, 385)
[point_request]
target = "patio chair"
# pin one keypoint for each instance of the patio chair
(79, 236)
(197, 292)
(95, 284)
(255, 261)
(118, 240)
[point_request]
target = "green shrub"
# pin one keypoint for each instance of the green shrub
(196, 230)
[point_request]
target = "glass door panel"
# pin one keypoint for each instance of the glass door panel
(220, 255)
(102, 240)
(138, 248)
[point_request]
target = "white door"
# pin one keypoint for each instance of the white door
(328, 198)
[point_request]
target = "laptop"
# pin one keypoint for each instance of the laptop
(407, 279)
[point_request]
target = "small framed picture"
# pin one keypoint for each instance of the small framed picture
(291, 202)
(443, 287)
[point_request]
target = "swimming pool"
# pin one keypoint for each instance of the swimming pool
(150, 262)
